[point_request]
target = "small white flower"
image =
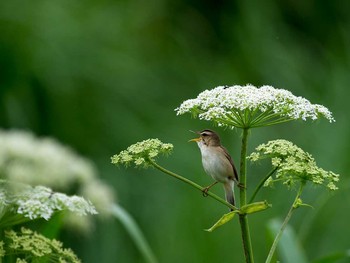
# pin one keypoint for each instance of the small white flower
(141, 152)
(78, 205)
(44, 161)
(27, 159)
(249, 106)
(293, 164)
(276, 161)
(101, 195)
(41, 202)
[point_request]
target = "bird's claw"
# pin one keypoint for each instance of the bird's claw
(205, 191)
(240, 185)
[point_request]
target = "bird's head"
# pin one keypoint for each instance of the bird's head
(207, 138)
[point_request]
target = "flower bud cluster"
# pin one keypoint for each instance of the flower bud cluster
(141, 152)
(29, 246)
(293, 164)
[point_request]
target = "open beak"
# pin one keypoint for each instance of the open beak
(195, 140)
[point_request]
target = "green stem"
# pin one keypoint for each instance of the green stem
(261, 184)
(134, 231)
(243, 165)
(243, 219)
(237, 118)
(272, 122)
(231, 121)
(261, 116)
(284, 224)
(193, 184)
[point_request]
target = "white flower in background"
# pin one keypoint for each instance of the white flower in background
(42, 202)
(27, 159)
(100, 194)
(249, 106)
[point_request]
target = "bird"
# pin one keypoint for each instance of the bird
(217, 163)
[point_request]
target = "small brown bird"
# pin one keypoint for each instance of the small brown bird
(217, 163)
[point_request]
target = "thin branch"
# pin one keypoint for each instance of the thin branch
(272, 122)
(230, 121)
(261, 116)
(284, 224)
(237, 118)
(191, 183)
(260, 185)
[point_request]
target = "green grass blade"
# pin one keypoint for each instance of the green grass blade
(135, 232)
(289, 248)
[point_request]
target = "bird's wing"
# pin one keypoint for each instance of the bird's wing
(228, 156)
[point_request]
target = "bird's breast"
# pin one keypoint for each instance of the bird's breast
(215, 165)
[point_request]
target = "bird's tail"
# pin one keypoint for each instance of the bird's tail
(229, 192)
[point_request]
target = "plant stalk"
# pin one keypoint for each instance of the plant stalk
(134, 231)
(243, 219)
(261, 184)
(284, 224)
(193, 184)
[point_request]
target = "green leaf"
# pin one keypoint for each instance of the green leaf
(299, 203)
(254, 207)
(289, 248)
(223, 220)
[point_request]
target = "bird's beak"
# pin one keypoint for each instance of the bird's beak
(195, 140)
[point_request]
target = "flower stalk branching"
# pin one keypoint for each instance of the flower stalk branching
(247, 107)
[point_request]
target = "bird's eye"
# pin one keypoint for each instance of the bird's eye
(204, 134)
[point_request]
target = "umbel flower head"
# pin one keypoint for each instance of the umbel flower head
(249, 106)
(141, 153)
(38, 202)
(29, 246)
(44, 161)
(28, 159)
(293, 164)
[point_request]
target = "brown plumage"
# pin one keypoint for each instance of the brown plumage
(217, 162)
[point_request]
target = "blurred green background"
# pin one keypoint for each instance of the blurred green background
(101, 75)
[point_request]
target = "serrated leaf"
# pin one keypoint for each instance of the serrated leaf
(223, 220)
(254, 207)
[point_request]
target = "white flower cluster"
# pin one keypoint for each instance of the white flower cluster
(141, 152)
(249, 106)
(27, 159)
(293, 164)
(42, 202)
(30, 160)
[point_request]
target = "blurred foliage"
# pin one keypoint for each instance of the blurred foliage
(289, 247)
(101, 75)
